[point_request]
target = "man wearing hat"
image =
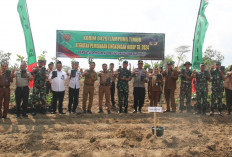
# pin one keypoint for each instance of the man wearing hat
(74, 86)
(186, 87)
(124, 76)
(140, 77)
(217, 76)
(202, 78)
(171, 77)
(39, 87)
(22, 90)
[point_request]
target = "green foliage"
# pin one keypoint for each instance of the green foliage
(4, 56)
(42, 55)
(211, 56)
(120, 59)
(158, 64)
(90, 59)
(20, 58)
(49, 98)
(167, 58)
(12, 98)
(146, 66)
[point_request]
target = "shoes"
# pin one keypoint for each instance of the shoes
(119, 111)
(100, 111)
(166, 111)
(108, 111)
(84, 111)
(62, 112)
(53, 112)
(88, 111)
(140, 111)
(125, 111)
(211, 113)
(135, 111)
(220, 114)
(33, 113)
(25, 115)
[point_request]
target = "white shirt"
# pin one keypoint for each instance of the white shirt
(75, 81)
(58, 83)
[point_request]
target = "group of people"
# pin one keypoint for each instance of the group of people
(158, 80)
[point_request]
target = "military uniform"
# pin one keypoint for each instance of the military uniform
(39, 90)
(202, 90)
(89, 89)
(123, 89)
(104, 89)
(185, 90)
(217, 89)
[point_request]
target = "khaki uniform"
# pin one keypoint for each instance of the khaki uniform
(170, 87)
(4, 94)
(155, 89)
(89, 89)
(104, 89)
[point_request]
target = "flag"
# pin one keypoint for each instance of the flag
(199, 36)
(24, 18)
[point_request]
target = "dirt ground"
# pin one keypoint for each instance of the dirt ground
(115, 134)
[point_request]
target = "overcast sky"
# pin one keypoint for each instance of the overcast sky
(175, 18)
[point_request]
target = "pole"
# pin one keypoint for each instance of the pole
(155, 123)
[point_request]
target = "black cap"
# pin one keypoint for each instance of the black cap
(202, 64)
(58, 62)
(125, 62)
(218, 62)
(170, 63)
(140, 62)
(187, 63)
(104, 64)
(111, 63)
(51, 63)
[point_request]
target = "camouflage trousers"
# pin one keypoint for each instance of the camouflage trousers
(185, 93)
(216, 95)
(39, 95)
(202, 94)
(123, 97)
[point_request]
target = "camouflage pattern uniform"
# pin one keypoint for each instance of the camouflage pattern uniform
(202, 90)
(217, 90)
(39, 90)
(123, 89)
(186, 90)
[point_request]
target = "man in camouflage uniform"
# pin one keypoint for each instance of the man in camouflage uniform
(202, 79)
(90, 77)
(39, 87)
(186, 87)
(124, 76)
(217, 76)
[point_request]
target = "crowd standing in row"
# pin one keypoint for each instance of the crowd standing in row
(46, 81)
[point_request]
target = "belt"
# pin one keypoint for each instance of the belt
(88, 84)
(186, 82)
(4, 86)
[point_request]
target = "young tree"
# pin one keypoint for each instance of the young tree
(181, 52)
(146, 66)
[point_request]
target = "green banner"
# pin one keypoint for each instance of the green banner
(199, 37)
(110, 45)
(23, 14)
